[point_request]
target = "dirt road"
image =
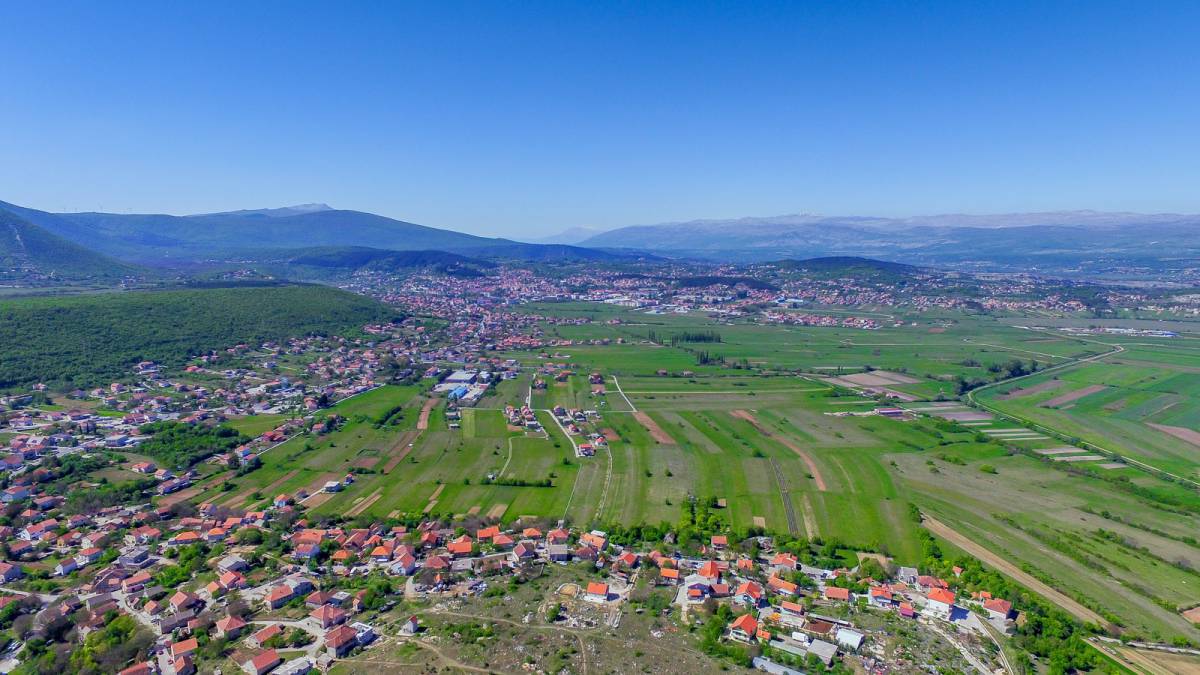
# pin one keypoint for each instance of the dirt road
(991, 559)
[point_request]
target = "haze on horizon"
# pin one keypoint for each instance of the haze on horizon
(525, 121)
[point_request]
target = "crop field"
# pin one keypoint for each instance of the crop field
(786, 450)
(1142, 403)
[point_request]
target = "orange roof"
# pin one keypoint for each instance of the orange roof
(942, 595)
(597, 588)
(745, 623)
(184, 647)
(710, 570)
(669, 573)
(835, 593)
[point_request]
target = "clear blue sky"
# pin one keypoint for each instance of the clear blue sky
(526, 118)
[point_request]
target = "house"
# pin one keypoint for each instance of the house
(719, 542)
(184, 647)
(559, 552)
(143, 668)
(668, 576)
(880, 596)
(410, 627)
(260, 638)
(850, 639)
(406, 565)
(596, 592)
(998, 609)
(232, 563)
(278, 596)
(749, 593)
(184, 600)
(826, 651)
(460, 547)
(940, 603)
(263, 663)
(340, 640)
(65, 567)
(328, 615)
(230, 627)
(744, 628)
(778, 585)
(836, 593)
(10, 572)
(184, 665)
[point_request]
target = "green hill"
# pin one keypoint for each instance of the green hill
(27, 250)
(85, 340)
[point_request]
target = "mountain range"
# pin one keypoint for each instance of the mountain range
(316, 237)
(161, 239)
(1022, 240)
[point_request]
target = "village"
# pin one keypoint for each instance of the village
(270, 593)
(276, 590)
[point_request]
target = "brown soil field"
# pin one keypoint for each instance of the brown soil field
(399, 451)
(423, 419)
(1072, 396)
(787, 442)
(1182, 433)
(1021, 392)
(656, 431)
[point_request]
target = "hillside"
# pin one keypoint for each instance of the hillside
(92, 339)
(349, 259)
(165, 238)
(847, 265)
(27, 249)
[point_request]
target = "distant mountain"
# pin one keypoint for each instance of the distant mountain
(27, 249)
(275, 213)
(572, 235)
(161, 237)
(1027, 241)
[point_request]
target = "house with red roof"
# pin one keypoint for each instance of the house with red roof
(340, 640)
(939, 603)
(998, 609)
(262, 663)
(744, 628)
(837, 593)
(596, 592)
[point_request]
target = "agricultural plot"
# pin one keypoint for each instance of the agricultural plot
(1109, 548)
(1145, 406)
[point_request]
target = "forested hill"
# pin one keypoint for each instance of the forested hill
(28, 249)
(87, 340)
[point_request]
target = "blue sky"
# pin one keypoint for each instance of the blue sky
(526, 118)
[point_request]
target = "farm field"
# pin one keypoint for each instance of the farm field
(1143, 403)
(788, 451)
